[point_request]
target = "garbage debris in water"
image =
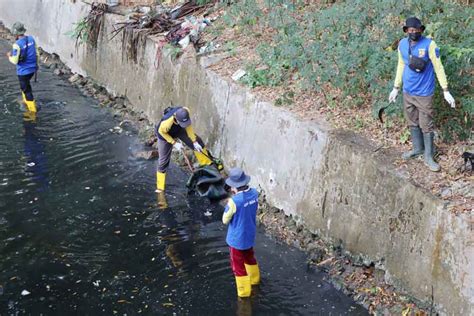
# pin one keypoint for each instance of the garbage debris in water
(208, 182)
(25, 293)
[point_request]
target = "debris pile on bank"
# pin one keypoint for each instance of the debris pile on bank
(178, 26)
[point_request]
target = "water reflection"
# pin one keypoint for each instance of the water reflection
(34, 151)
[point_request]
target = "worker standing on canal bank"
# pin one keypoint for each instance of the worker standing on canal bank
(418, 61)
(241, 215)
(25, 56)
(176, 123)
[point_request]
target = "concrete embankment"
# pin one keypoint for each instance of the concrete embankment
(333, 182)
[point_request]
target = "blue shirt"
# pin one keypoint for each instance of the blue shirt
(243, 225)
(27, 63)
(417, 83)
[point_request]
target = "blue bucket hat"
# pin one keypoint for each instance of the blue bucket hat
(237, 178)
(182, 116)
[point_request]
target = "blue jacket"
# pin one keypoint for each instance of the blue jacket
(25, 56)
(241, 215)
(420, 83)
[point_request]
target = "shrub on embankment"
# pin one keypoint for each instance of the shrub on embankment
(348, 50)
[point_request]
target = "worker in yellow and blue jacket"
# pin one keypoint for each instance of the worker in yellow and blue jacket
(25, 56)
(240, 214)
(176, 124)
(418, 62)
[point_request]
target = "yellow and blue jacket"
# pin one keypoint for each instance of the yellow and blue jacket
(420, 83)
(241, 215)
(168, 128)
(25, 55)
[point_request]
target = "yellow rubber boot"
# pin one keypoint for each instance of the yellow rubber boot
(31, 105)
(160, 181)
(23, 96)
(243, 286)
(254, 272)
(203, 158)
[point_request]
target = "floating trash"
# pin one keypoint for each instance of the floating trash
(25, 293)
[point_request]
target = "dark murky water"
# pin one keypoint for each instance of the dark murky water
(81, 231)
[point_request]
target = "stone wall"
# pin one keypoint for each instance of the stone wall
(334, 182)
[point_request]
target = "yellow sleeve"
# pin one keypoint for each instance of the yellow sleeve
(400, 68)
(437, 65)
(15, 54)
(229, 211)
(190, 131)
(165, 127)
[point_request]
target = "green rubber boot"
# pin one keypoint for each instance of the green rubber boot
(429, 152)
(417, 140)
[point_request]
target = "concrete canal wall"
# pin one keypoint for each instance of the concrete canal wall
(331, 181)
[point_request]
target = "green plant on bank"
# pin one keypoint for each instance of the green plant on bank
(351, 46)
(388, 123)
(231, 47)
(203, 2)
(244, 12)
(405, 136)
(358, 123)
(285, 99)
(216, 30)
(255, 77)
(173, 51)
(80, 31)
(87, 29)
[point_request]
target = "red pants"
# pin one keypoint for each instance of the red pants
(238, 259)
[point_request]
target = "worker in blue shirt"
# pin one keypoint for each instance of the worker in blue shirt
(241, 215)
(418, 62)
(25, 56)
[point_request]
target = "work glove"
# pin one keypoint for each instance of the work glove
(449, 98)
(197, 147)
(393, 95)
(178, 146)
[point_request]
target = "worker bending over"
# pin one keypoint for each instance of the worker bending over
(176, 124)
